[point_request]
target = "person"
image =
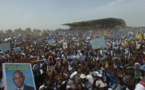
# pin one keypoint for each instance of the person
(18, 79)
(98, 83)
(141, 85)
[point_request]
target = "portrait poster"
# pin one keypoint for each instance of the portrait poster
(12, 81)
(65, 45)
(18, 50)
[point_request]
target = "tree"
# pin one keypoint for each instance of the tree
(19, 30)
(38, 30)
(9, 31)
(28, 30)
(34, 30)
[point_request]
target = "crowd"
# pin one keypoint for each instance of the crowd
(118, 66)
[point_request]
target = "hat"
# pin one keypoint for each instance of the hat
(96, 73)
(136, 63)
(130, 68)
(79, 51)
(82, 76)
(57, 58)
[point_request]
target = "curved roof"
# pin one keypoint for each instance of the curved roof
(98, 22)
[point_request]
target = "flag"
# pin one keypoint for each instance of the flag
(40, 33)
(90, 33)
(125, 44)
(138, 36)
(138, 47)
(104, 33)
(51, 42)
(132, 42)
(114, 36)
(28, 35)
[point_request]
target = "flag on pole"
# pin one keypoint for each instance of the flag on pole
(51, 42)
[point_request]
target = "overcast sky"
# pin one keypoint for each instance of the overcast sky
(51, 14)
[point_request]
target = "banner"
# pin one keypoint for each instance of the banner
(114, 36)
(98, 43)
(26, 60)
(65, 45)
(5, 47)
(18, 76)
(18, 50)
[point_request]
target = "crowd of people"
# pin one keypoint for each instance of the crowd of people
(120, 65)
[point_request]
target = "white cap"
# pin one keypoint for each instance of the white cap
(82, 76)
(57, 58)
(96, 73)
(136, 63)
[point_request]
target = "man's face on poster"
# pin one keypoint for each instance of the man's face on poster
(18, 79)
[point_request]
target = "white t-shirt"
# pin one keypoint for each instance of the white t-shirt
(90, 78)
(101, 83)
(139, 87)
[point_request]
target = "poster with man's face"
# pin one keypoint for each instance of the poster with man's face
(18, 76)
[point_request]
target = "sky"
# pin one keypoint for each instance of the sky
(51, 14)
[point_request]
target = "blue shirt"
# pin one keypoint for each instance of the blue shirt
(112, 80)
